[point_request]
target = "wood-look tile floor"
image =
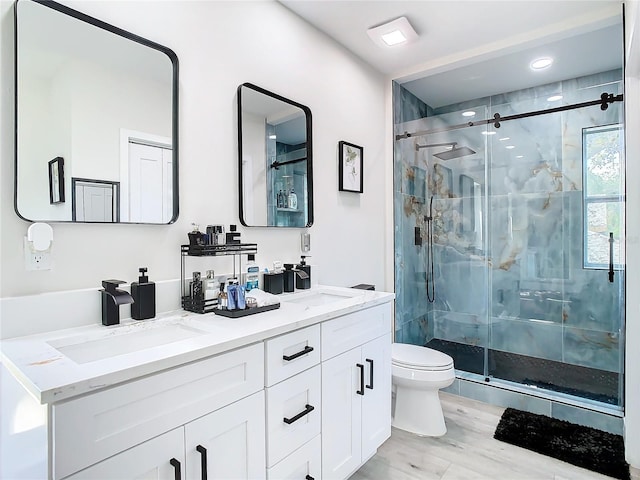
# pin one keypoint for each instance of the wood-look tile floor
(468, 451)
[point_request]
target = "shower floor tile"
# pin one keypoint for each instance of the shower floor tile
(584, 382)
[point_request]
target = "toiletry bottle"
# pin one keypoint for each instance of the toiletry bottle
(233, 236)
(222, 297)
(253, 273)
(195, 289)
(301, 282)
(195, 236)
(293, 200)
(210, 286)
(144, 297)
(289, 278)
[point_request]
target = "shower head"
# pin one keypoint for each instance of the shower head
(455, 152)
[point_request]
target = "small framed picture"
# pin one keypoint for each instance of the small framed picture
(350, 165)
(56, 180)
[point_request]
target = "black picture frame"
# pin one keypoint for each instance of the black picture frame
(56, 180)
(350, 167)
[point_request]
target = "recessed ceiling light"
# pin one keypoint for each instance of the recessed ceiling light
(554, 98)
(469, 113)
(519, 156)
(541, 63)
(503, 139)
(510, 147)
(488, 132)
(393, 33)
(272, 136)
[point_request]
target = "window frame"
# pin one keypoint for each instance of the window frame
(592, 199)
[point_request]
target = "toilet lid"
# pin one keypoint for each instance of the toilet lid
(420, 358)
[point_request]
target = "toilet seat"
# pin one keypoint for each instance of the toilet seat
(416, 357)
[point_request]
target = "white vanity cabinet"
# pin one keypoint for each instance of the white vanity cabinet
(356, 389)
(293, 405)
(226, 444)
(92, 428)
(301, 393)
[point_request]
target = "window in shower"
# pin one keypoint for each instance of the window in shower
(603, 187)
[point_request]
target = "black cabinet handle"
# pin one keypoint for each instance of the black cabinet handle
(203, 461)
(176, 465)
(306, 350)
(309, 477)
(361, 367)
(370, 362)
(307, 410)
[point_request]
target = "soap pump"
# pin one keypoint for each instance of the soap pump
(303, 281)
(144, 297)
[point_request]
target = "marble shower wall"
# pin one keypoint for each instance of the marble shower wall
(507, 228)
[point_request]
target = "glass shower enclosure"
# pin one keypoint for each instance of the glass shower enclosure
(509, 241)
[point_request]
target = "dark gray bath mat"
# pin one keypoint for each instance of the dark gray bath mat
(585, 447)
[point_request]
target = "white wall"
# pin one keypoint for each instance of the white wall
(221, 45)
(632, 352)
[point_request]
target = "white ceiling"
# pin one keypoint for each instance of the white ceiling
(474, 48)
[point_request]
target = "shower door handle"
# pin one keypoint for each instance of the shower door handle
(611, 273)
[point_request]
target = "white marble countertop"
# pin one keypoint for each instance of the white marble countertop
(50, 376)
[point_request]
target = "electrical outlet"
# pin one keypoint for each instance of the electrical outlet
(305, 242)
(35, 260)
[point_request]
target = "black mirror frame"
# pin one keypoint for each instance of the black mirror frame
(129, 36)
(307, 112)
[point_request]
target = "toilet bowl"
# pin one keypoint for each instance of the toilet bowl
(417, 375)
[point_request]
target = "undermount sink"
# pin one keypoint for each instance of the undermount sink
(317, 299)
(81, 349)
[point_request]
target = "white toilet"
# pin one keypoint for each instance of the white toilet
(417, 374)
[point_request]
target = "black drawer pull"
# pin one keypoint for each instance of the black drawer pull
(306, 350)
(361, 367)
(309, 477)
(203, 461)
(176, 465)
(370, 362)
(307, 410)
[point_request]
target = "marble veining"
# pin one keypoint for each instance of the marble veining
(50, 376)
(507, 229)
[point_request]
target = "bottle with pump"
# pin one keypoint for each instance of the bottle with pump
(252, 276)
(144, 297)
(293, 200)
(303, 274)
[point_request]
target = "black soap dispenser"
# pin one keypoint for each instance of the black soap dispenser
(144, 297)
(302, 282)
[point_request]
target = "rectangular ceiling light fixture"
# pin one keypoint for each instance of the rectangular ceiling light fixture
(395, 32)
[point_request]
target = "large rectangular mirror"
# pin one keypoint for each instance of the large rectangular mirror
(101, 104)
(275, 160)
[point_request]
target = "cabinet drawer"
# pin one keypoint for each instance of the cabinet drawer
(292, 353)
(349, 331)
(305, 462)
(96, 426)
(293, 414)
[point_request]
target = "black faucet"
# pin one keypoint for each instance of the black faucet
(112, 298)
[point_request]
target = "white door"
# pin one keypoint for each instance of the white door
(341, 415)
(229, 443)
(94, 202)
(155, 459)
(376, 403)
(150, 184)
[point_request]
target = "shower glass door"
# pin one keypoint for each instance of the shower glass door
(527, 243)
(557, 281)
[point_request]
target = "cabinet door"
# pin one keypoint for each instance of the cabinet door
(341, 422)
(228, 443)
(376, 403)
(155, 459)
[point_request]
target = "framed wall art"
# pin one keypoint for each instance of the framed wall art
(56, 180)
(350, 167)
